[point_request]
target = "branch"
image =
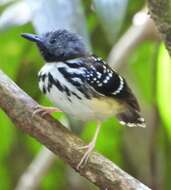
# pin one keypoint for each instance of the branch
(142, 29)
(160, 11)
(99, 170)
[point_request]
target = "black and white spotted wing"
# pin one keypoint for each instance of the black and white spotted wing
(107, 82)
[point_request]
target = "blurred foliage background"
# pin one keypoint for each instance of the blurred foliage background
(143, 153)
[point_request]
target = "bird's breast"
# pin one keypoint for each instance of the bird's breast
(71, 99)
(66, 88)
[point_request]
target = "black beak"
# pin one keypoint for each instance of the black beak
(32, 37)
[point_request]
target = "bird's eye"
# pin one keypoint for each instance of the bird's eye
(52, 41)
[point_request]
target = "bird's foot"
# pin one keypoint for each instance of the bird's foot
(89, 148)
(43, 110)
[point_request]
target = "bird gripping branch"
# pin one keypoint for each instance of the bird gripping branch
(82, 85)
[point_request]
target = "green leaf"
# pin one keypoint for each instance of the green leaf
(164, 87)
(4, 178)
(10, 54)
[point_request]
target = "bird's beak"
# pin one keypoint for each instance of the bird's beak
(32, 37)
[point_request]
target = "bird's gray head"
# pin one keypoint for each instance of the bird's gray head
(59, 45)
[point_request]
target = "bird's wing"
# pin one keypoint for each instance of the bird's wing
(107, 82)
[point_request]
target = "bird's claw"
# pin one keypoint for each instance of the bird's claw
(43, 110)
(86, 155)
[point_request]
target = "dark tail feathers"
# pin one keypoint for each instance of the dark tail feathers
(131, 118)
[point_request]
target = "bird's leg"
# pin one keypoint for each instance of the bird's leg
(89, 148)
(43, 110)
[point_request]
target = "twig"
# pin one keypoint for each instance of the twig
(99, 170)
(160, 12)
(139, 31)
(31, 178)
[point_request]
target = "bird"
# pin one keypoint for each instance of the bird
(82, 84)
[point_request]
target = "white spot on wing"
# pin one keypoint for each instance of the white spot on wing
(122, 123)
(132, 124)
(141, 119)
(110, 74)
(121, 85)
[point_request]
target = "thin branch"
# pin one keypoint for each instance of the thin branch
(31, 178)
(142, 29)
(160, 12)
(99, 170)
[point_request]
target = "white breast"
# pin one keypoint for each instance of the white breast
(78, 108)
(83, 109)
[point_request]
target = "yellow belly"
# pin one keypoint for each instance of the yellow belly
(105, 107)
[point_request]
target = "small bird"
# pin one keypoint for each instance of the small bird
(82, 84)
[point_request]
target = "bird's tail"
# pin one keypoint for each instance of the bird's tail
(131, 118)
